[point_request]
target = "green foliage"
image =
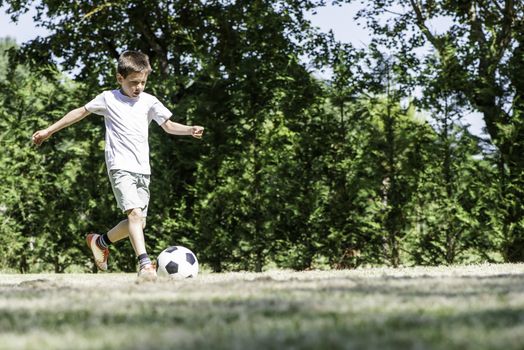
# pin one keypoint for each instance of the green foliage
(480, 59)
(41, 224)
(293, 172)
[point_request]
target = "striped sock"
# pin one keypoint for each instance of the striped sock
(144, 260)
(103, 241)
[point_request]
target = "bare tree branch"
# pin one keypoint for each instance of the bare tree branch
(504, 38)
(421, 23)
(476, 26)
(152, 41)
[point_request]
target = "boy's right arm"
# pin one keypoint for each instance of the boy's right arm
(70, 118)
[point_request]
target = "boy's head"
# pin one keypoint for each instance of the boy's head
(133, 62)
(132, 72)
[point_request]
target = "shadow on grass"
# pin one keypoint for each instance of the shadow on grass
(268, 313)
(269, 323)
(423, 286)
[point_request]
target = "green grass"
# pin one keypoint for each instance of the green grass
(469, 307)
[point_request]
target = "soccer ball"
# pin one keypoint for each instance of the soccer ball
(177, 262)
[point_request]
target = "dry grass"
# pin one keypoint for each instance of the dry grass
(470, 307)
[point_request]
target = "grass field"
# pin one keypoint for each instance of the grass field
(468, 307)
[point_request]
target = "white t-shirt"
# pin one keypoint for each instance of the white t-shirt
(127, 122)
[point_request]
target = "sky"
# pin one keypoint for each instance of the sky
(335, 18)
(326, 18)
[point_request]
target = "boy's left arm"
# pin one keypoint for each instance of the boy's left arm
(180, 129)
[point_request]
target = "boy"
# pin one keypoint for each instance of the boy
(127, 113)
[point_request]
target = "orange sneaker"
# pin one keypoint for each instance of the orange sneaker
(147, 273)
(100, 255)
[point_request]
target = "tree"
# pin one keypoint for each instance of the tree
(373, 175)
(482, 52)
(43, 212)
(446, 208)
(231, 66)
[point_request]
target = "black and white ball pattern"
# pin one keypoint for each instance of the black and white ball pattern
(177, 262)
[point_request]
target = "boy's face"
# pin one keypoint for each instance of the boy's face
(133, 84)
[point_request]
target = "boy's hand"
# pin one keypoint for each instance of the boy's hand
(197, 131)
(40, 136)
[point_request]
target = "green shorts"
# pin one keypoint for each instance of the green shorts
(131, 190)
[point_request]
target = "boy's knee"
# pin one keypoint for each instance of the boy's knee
(135, 215)
(143, 223)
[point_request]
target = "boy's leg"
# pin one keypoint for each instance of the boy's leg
(136, 235)
(135, 230)
(121, 231)
(117, 233)
(132, 195)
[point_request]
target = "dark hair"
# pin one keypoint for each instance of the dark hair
(133, 62)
